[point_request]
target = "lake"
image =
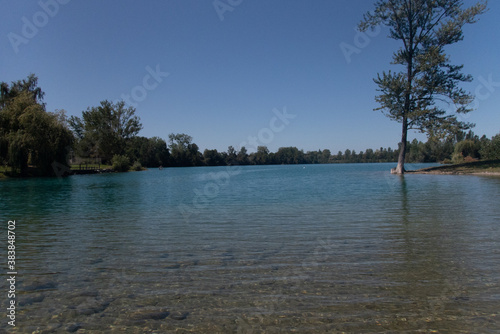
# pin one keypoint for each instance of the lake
(255, 249)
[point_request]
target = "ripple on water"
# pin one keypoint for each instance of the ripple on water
(278, 248)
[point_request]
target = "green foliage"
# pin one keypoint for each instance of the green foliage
(262, 156)
(28, 85)
(214, 158)
(416, 151)
(490, 149)
(290, 155)
(183, 151)
(457, 158)
(231, 156)
(120, 163)
(28, 134)
(242, 157)
(467, 148)
(415, 95)
(105, 130)
(150, 152)
(431, 151)
(136, 166)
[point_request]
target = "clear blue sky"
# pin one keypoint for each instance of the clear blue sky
(225, 77)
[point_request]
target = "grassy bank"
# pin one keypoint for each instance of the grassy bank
(3, 171)
(489, 167)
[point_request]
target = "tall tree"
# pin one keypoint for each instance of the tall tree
(231, 156)
(261, 157)
(419, 96)
(107, 129)
(28, 85)
(183, 151)
(28, 134)
(242, 157)
(325, 156)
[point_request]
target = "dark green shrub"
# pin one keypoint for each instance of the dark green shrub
(491, 149)
(137, 166)
(121, 163)
(466, 148)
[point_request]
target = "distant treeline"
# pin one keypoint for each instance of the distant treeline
(465, 146)
(34, 141)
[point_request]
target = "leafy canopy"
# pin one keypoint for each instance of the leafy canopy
(28, 134)
(105, 130)
(427, 87)
(183, 151)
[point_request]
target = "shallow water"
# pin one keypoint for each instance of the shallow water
(274, 249)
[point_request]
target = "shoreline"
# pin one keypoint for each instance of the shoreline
(481, 168)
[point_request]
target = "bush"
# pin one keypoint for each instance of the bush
(121, 163)
(466, 148)
(137, 166)
(457, 158)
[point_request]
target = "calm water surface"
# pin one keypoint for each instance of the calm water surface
(256, 249)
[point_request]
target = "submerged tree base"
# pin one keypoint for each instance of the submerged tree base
(397, 170)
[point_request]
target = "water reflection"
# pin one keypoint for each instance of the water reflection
(405, 205)
(428, 268)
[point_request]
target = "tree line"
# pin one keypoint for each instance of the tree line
(34, 141)
(464, 147)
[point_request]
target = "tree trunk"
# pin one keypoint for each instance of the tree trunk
(410, 48)
(400, 169)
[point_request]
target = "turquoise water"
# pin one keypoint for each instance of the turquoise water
(255, 249)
